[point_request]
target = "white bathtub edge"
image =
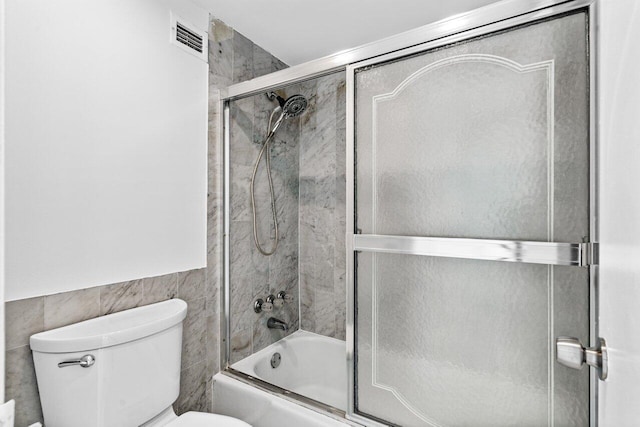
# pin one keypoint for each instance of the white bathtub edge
(260, 408)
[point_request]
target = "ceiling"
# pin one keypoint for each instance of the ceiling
(297, 31)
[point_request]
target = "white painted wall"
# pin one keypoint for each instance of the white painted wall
(619, 90)
(106, 153)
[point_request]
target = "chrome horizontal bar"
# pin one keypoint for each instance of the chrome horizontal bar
(576, 254)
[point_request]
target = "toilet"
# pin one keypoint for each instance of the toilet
(119, 370)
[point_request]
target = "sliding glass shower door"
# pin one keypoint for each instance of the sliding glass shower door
(472, 222)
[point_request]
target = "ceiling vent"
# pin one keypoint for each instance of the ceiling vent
(188, 38)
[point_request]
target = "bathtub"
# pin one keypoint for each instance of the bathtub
(310, 365)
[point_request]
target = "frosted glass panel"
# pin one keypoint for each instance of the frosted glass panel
(450, 342)
(487, 139)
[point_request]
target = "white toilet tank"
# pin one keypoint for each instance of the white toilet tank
(135, 374)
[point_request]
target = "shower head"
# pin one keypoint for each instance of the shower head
(292, 106)
(295, 105)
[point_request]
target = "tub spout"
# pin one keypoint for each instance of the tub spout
(274, 323)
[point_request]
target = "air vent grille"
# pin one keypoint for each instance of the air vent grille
(188, 38)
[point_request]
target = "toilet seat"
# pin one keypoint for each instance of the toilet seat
(201, 419)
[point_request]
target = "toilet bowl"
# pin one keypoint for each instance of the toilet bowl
(119, 370)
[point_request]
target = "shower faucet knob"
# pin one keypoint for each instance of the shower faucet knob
(277, 303)
(284, 297)
(259, 306)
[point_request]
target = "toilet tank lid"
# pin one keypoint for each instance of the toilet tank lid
(112, 329)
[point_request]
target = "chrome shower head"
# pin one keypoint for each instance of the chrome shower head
(295, 105)
(292, 106)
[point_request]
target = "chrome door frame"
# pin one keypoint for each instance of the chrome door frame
(488, 19)
(353, 241)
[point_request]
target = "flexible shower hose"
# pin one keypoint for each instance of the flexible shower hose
(265, 147)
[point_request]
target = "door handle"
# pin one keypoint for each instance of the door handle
(571, 353)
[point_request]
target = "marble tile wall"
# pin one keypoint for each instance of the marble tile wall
(322, 207)
(234, 58)
(308, 165)
(29, 316)
(308, 169)
(254, 275)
